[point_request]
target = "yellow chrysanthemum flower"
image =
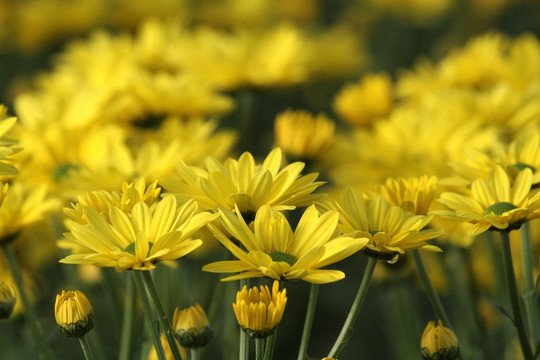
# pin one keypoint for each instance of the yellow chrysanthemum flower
(439, 342)
(494, 204)
(260, 312)
(139, 239)
(363, 102)
(303, 135)
(192, 327)
(272, 249)
(243, 185)
(7, 300)
(7, 145)
(390, 230)
(152, 355)
(74, 313)
(412, 194)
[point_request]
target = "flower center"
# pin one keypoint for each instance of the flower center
(279, 256)
(499, 208)
(62, 170)
(373, 232)
(522, 166)
(130, 249)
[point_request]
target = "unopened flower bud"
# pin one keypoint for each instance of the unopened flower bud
(7, 300)
(191, 327)
(439, 343)
(74, 313)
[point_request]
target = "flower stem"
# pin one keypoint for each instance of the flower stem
(127, 321)
(259, 349)
(163, 320)
(149, 316)
(514, 296)
(430, 290)
(244, 340)
(529, 286)
(29, 311)
(194, 354)
(313, 293)
(345, 333)
(269, 349)
(85, 347)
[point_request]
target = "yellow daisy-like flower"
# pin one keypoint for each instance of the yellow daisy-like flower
(272, 249)
(412, 194)
(494, 204)
(303, 135)
(260, 312)
(74, 313)
(439, 342)
(243, 185)
(390, 230)
(7, 145)
(139, 239)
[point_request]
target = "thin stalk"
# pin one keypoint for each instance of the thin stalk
(345, 333)
(111, 288)
(244, 339)
(269, 349)
(259, 349)
(529, 291)
(514, 295)
(127, 321)
(29, 311)
(163, 320)
(194, 354)
(430, 290)
(149, 315)
(85, 347)
(308, 323)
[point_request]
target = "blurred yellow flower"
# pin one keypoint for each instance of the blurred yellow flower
(302, 135)
(74, 313)
(494, 204)
(439, 342)
(389, 230)
(8, 146)
(241, 185)
(365, 101)
(411, 194)
(272, 250)
(7, 300)
(192, 327)
(152, 355)
(259, 312)
(138, 239)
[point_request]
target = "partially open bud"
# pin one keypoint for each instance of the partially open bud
(260, 312)
(7, 300)
(74, 313)
(439, 343)
(191, 327)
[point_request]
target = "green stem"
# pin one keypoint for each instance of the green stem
(514, 295)
(308, 323)
(194, 352)
(244, 339)
(345, 333)
(29, 311)
(269, 349)
(85, 347)
(259, 349)
(149, 315)
(529, 286)
(111, 287)
(163, 320)
(430, 290)
(127, 321)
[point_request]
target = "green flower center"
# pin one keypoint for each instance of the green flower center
(522, 166)
(373, 232)
(130, 249)
(279, 256)
(62, 170)
(499, 208)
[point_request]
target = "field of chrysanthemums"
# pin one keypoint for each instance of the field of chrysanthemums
(269, 179)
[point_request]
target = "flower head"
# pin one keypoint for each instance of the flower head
(260, 311)
(272, 249)
(439, 342)
(191, 327)
(74, 313)
(303, 135)
(494, 204)
(242, 185)
(412, 194)
(136, 239)
(8, 146)
(167, 349)
(389, 230)
(7, 300)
